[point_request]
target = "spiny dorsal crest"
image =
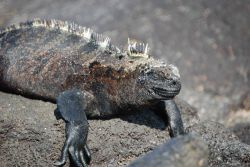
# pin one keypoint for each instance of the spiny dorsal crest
(137, 49)
(101, 40)
(87, 33)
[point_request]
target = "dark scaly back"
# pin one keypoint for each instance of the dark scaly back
(40, 55)
(44, 57)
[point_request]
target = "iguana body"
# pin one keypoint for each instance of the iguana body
(44, 58)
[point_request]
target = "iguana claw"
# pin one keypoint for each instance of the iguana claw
(75, 146)
(71, 110)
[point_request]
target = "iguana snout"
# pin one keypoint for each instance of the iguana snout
(161, 82)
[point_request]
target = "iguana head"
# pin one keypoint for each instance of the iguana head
(159, 81)
(155, 80)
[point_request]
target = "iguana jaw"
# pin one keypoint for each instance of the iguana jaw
(165, 91)
(160, 82)
(165, 94)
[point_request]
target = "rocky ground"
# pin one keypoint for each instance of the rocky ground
(207, 40)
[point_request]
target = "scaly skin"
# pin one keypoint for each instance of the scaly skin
(86, 75)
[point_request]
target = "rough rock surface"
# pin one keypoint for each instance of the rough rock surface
(183, 151)
(225, 149)
(30, 134)
(239, 122)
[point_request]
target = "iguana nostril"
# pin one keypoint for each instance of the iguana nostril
(175, 83)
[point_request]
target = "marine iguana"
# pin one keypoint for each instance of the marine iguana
(87, 76)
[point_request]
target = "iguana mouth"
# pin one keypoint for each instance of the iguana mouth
(165, 93)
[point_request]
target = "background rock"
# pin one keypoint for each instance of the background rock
(225, 149)
(183, 151)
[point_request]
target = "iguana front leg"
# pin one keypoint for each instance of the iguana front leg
(169, 110)
(71, 108)
(174, 118)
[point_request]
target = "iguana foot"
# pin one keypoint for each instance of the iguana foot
(168, 110)
(70, 108)
(175, 120)
(75, 146)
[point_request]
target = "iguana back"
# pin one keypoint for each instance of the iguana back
(44, 57)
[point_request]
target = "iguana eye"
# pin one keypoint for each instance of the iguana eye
(151, 74)
(141, 80)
